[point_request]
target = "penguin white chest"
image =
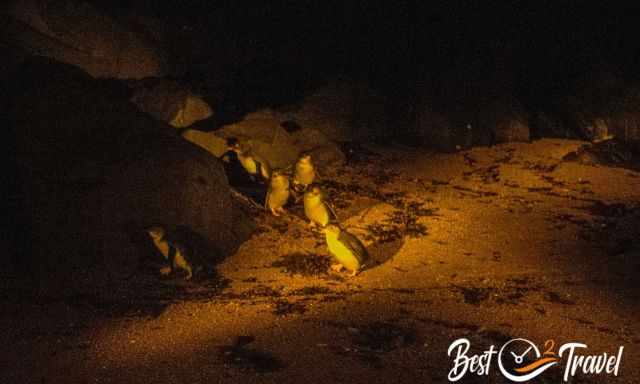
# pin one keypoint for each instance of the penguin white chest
(317, 212)
(343, 254)
(249, 164)
(278, 197)
(304, 174)
(163, 247)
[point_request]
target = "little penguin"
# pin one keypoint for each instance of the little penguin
(278, 193)
(304, 174)
(346, 248)
(237, 175)
(317, 210)
(176, 253)
(253, 163)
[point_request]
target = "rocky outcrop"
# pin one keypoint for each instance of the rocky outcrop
(79, 34)
(263, 133)
(209, 141)
(610, 153)
(169, 102)
(512, 129)
(602, 105)
(343, 110)
(606, 112)
(94, 172)
(503, 119)
(433, 130)
(269, 134)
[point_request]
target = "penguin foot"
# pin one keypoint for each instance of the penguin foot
(337, 267)
(165, 271)
(274, 212)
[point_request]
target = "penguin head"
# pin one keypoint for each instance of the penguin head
(331, 231)
(234, 145)
(231, 142)
(279, 179)
(313, 194)
(305, 160)
(156, 233)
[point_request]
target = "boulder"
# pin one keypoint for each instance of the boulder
(322, 150)
(343, 110)
(610, 153)
(504, 119)
(192, 109)
(82, 35)
(625, 126)
(327, 155)
(432, 130)
(283, 154)
(263, 133)
(605, 109)
(545, 124)
(169, 102)
(601, 104)
(93, 172)
(308, 138)
(209, 141)
(512, 129)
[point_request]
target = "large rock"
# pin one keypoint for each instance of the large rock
(610, 152)
(625, 126)
(603, 107)
(94, 172)
(267, 133)
(622, 125)
(78, 33)
(545, 124)
(169, 102)
(343, 110)
(308, 138)
(263, 133)
(209, 141)
(504, 119)
(512, 129)
(495, 122)
(431, 129)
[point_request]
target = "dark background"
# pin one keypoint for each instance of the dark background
(456, 54)
(395, 43)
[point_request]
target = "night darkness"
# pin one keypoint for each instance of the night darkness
(320, 191)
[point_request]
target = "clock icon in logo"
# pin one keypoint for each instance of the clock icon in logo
(520, 360)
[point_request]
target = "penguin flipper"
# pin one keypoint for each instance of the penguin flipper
(354, 245)
(262, 170)
(172, 256)
(331, 210)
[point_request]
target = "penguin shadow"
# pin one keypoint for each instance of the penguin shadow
(381, 252)
(239, 179)
(250, 360)
(203, 256)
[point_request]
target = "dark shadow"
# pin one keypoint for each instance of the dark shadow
(250, 360)
(382, 252)
(241, 180)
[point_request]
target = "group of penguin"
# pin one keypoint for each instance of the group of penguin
(345, 247)
(239, 162)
